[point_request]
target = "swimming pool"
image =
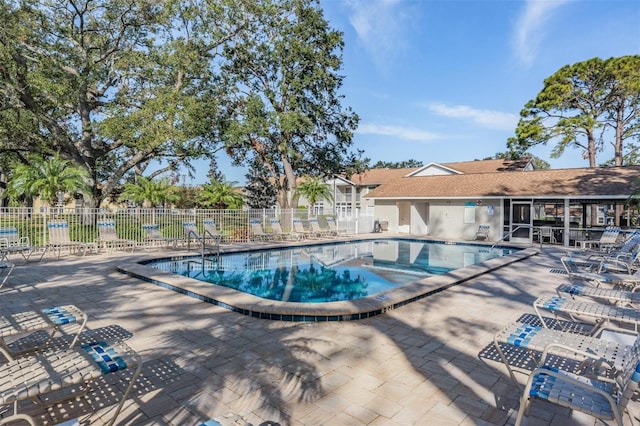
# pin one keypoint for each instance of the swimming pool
(330, 272)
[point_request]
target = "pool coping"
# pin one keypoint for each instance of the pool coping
(258, 307)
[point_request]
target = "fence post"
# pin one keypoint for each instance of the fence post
(356, 221)
(44, 225)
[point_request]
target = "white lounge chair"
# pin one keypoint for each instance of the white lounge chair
(59, 239)
(277, 232)
(317, 230)
(108, 236)
(298, 227)
(211, 231)
(333, 227)
(257, 232)
(57, 372)
(154, 235)
(11, 242)
(580, 269)
(600, 314)
(607, 241)
(483, 232)
(191, 234)
(48, 319)
(568, 345)
(603, 399)
(607, 295)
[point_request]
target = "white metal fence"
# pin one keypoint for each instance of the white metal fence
(233, 224)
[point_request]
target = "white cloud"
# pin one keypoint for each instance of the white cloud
(530, 30)
(486, 118)
(380, 26)
(397, 132)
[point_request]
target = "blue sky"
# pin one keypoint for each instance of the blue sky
(445, 80)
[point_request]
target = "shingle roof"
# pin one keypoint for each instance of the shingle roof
(488, 166)
(380, 176)
(609, 181)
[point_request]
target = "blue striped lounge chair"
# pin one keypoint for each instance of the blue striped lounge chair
(54, 371)
(605, 399)
(154, 235)
(60, 239)
(11, 242)
(108, 236)
(48, 319)
(601, 314)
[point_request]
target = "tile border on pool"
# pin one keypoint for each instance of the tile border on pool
(366, 307)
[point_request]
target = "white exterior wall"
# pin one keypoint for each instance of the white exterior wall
(442, 218)
(387, 210)
(447, 219)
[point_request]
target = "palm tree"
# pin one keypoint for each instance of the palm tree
(47, 177)
(152, 192)
(314, 190)
(220, 195)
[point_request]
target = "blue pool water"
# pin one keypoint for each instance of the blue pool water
(330, 272)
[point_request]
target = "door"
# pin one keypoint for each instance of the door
(521, 222)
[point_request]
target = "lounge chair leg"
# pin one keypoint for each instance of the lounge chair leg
(126, 392)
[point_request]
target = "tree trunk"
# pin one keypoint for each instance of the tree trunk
(618, 144)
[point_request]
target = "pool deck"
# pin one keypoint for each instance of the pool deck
(419, 364)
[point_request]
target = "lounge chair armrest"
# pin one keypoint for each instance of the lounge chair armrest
(613, 264)
(4, 242)
(549, 350)
(24, 241)
(563, 377)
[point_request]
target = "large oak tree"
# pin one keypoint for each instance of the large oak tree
(283, 106)
(111, 85)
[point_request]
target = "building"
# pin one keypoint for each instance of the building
(352, 194)
(514, 199)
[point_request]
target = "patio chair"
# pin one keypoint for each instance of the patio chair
(483, 232)
(298, 227)
(154, 235)
(6, 268)
(333, 227)
(49, 319)
(257, 232)
(537, 339)
(11, 242)
(600, 314)
(211, 231)
(579, 269)
(59, 239)
(59, 373)
(108, 236)
(191, 233)
(317, 230)
(607, 295)
(603, 399)
(546, 232)
(276, 230)
(607, 240)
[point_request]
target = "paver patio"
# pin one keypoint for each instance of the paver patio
(416, 365)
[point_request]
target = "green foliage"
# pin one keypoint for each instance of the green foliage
(538, 162)
(153, 192)
(47, 177)
(219, 195)
(584, 105)
(112, 84)
(260, 191)
(284, 110)
(397, 164)
(185, 197)
(313, 190)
